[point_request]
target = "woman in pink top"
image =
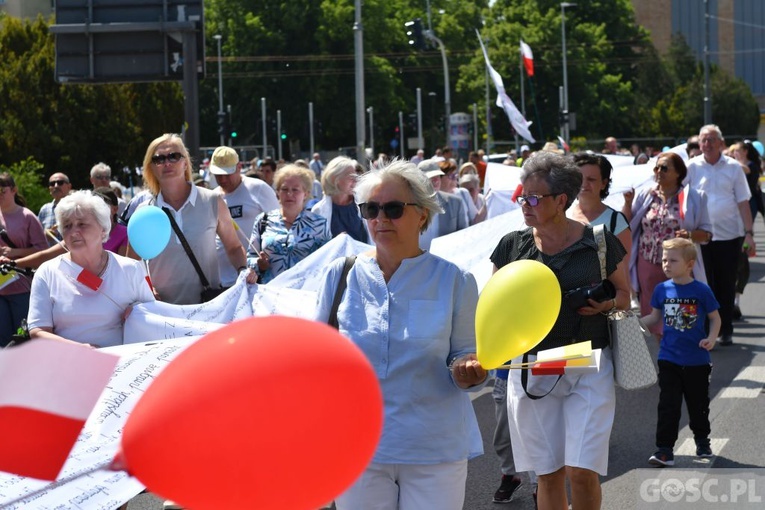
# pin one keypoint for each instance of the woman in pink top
(118, 239)
(21, 234)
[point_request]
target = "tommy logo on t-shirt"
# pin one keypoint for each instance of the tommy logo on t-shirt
(236, 211)
(680, 313)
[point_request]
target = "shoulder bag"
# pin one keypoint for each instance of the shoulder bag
(633, 365)
(341, 285)
(208, 293)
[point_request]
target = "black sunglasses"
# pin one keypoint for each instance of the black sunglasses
(59, 182)
(160, 159)
(532, 200)
(393, 210)
(663, 168)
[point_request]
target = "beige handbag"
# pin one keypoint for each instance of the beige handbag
(633, 365)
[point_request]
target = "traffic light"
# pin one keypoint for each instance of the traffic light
(414, 31)
(222, 123)
(563, 117)
(233, 133)
(283, 136)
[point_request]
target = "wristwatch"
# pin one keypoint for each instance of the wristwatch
(750, 232)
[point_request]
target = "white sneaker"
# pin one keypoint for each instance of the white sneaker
(171, 505)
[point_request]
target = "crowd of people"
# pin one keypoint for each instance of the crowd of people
(410, 312)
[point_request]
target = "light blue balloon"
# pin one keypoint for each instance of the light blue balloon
(758, 145)
(148, 231)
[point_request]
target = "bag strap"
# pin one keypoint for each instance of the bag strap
(6, 239)
(341, 285)
(187, 248)
(525, 380)
(600, 237)
(262, 225)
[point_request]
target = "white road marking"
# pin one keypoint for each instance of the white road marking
(481, 392)
(688, 447)
(747, 384)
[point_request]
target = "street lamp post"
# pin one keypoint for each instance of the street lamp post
(371, 112)
(218, 38)
(565, 125)
(447, 99)
(432, 96)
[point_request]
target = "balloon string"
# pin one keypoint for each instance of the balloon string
(246, 240)
(57, 483)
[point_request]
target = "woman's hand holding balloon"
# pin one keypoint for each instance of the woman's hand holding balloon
(467, 371)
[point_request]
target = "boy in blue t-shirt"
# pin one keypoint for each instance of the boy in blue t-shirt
(684, 361)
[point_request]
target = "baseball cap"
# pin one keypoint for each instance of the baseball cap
(524, 148)
(224, 161)
(430, 168)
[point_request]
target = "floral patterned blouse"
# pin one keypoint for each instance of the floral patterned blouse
(659, 224)
(284, 246)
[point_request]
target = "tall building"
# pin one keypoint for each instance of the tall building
(28, 9)
(736, 35)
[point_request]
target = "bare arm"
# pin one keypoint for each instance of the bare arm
(652, 318)
(714, 329)
(234, 250)
(746, 216)
(48, 333)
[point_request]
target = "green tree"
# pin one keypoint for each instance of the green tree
(69, 128)
(26, 175)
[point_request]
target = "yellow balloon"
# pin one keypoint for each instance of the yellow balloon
(516, 310)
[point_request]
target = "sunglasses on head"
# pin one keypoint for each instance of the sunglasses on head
(393, 210)
(161, 159)
(532, 200)
(662, 168)
(59, 182)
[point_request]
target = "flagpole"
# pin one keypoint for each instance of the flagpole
(523, 95)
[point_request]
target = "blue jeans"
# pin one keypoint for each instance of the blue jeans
(13, 308)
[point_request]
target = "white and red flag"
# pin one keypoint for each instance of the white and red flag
(47, 390)
(519, 123)
(528, 58)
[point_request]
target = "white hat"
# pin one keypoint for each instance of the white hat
(224, 161)
(524, 148)
(430, 168)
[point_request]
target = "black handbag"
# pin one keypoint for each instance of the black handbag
(208, 293)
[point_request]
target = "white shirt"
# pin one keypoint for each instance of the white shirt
(75, 311)
(725, 186)
(245, 203)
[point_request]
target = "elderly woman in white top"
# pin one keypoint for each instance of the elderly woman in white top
(338, 205)
(83, 295)
(412, 314)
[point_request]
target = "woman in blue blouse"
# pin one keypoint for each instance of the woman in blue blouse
(287, 235)
(338, 205)
(413, 315)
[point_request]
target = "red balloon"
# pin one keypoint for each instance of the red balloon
(267, 412)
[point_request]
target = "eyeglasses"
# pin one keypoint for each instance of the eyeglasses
(102, 177)
(532, 200)
(161, 159)
(393, 210)
(663, 168)
(59, 182)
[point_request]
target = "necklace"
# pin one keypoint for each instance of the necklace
(105, 263)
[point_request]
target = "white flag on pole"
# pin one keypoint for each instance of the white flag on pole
(520, 124)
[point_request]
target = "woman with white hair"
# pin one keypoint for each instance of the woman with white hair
(338, 204)
(412, 314)
(83, 296)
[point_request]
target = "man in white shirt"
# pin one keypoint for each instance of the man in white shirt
(723, 181)
(245, 197)
(316, 165)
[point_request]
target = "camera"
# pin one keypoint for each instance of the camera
(599, 292)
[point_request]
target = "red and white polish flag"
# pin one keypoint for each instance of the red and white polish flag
(528, 58)
(48, 389)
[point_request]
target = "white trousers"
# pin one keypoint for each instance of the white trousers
(407, 487)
